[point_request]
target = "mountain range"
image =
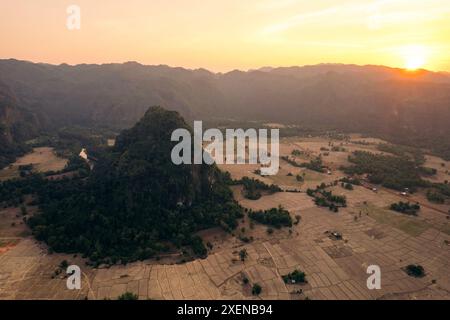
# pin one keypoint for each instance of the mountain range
(411, 107)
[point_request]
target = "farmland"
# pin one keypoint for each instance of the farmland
(335, 267)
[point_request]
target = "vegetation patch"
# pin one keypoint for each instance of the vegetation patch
(128, 296)
(256, 289)
(295, 277)
(416, 271)
(439, 192)
(314, 165)
(405, 223)
(347, 186)
(407, 152)
(392, 172)
(275, 217)
(254, 187)
(435, 197)
(406, 208)
(351, 180)
(324, 198)
(427, 171)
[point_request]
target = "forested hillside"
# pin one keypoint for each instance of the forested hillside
(136, 203)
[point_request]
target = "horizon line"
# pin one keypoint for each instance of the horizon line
(226, 72)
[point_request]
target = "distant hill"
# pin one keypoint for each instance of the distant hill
(113, 94)
(136, 203)
(406, 107)
(16, 126)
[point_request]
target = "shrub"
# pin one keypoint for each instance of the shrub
(405, 207)
(252, 187)
(435, 197)
(348, 186)
(64, 264)
(295, 277)
(416, 271)
(275, 217)
(199, 247)
(256, 289)
(243, 255)
(128, 296)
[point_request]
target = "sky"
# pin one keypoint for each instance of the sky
(223, 35)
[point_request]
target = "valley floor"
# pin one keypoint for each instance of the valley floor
(335, 269)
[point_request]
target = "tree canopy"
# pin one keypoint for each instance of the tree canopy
(136, 202)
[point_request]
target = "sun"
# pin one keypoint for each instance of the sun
(414, 62)
(414, 56)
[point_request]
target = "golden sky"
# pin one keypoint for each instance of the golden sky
(223, 35)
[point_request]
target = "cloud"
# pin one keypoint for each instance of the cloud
(372, 14)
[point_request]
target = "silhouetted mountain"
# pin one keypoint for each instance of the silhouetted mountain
(114, 94)
(393, 103)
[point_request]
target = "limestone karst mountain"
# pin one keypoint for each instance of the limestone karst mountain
(136, 203)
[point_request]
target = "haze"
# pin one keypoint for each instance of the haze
(231, 34)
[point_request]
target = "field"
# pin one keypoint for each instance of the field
(442, 167)
(43, 159)
(335, 268)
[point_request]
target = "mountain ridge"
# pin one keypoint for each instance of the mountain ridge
(404, 106)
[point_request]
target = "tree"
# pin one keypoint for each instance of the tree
(348, 186)
(294, 277)
(256, 289)
(243, 254)
(64, 264)
(416, 271)
(23, 210)
(128, 296)
(199, 247)
(405, 207)
(275, 217)
(435, 197)
(253, 188)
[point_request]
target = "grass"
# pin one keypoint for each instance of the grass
(444, 228)
(409, 225)
(281, 179)
(9, 173)
(8, 242)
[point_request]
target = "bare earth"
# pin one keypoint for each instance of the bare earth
(335, 269)
(43, 159)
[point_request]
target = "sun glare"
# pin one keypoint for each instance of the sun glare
(415, 57)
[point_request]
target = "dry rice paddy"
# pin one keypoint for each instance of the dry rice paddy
(335, 269)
